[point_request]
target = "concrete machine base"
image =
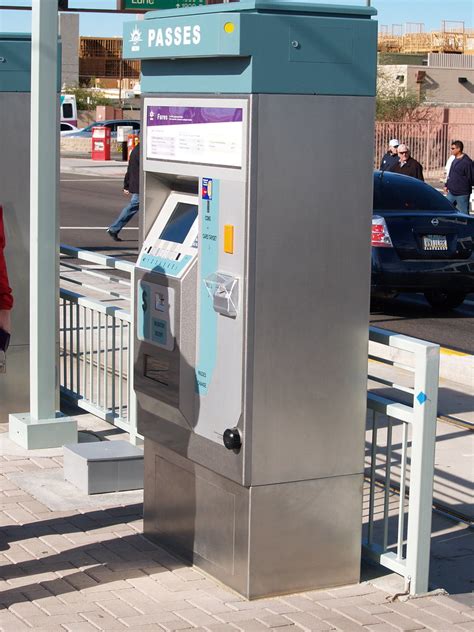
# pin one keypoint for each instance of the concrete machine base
(261, 540)
(104, 466)
(33, 434)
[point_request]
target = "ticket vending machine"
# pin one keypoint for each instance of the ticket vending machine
(252, 287)
(15, 113)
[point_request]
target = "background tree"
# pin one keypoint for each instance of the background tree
(395, 103)
(86, 97)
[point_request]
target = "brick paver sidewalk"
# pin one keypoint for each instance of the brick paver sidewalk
(94, 571)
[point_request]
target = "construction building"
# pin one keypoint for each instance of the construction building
(101, 64)
(411, 38)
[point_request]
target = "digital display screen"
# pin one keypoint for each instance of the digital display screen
(180, 222)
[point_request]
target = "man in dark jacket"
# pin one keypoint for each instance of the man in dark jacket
(131, 186)
(406, 165)
(460, 180)
(391, 157)
(6, 299)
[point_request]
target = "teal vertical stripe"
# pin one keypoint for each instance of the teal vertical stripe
(143, 311)
(209, 256)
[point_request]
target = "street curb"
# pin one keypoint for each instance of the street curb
(80, 162)
(456, 366)
(100, 170)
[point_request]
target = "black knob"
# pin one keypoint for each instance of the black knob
(232, 439)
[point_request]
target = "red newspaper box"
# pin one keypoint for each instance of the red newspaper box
(132, 142)
(100, 143)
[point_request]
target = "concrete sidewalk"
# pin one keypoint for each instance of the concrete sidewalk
(94, 168)
(73, 562)
(456, 400)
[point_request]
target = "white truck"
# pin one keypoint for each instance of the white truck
(68, 112)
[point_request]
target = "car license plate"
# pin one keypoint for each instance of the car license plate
(435, 242)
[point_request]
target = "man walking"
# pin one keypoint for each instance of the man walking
(131, 186)
(406, 165)
(460, 180)
(391, 157)
(6, 299)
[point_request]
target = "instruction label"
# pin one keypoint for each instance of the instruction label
(206, 135)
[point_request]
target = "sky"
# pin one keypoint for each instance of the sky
(430, 12)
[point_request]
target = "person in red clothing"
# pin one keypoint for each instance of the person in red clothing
(6, 297)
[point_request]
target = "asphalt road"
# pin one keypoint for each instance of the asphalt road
(413, 316)
(89, 205)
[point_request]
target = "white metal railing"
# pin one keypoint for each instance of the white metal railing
(400, 449)
(97, 373)
(96, 338)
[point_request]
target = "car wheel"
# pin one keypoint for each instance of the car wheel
(444, 299)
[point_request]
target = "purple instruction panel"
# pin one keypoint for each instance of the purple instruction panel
(206, 135)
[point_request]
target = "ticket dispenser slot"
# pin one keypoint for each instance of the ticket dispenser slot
(224, 292)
